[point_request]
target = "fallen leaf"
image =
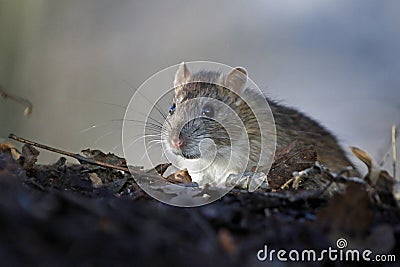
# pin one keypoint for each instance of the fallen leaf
(4, 147)
(379, 179)
(179, 177)
(109, 158)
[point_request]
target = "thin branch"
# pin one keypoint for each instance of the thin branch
(26, 103)
(69, 154)
(394, 150)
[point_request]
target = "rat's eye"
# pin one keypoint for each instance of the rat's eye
(172, 109)
(207, 111)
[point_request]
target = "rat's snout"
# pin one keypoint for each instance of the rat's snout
(176, 139)
(183, 139)
(177, 142)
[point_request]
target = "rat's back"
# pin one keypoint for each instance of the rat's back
(294, 126)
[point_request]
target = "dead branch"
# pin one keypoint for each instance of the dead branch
(26, 103)
(66, 153)
(394, 150)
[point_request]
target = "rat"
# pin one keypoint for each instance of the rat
(201, 130)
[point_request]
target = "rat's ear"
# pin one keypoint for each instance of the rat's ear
(236, 80)
(182, 75)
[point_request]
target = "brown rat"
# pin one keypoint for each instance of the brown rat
(204, 109)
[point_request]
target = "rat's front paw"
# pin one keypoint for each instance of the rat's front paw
(250, 181)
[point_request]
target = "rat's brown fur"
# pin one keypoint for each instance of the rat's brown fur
(291, 125)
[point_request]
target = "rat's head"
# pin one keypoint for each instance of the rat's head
(204, 118)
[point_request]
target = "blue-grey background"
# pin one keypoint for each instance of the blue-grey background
(78, 61)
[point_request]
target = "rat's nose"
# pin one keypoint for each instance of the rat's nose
(177, 142)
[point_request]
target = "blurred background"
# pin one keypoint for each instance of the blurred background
(80, 61)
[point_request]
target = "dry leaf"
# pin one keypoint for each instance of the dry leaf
(178, 177)
(4, 147)
(378, 178)
(373, 169)
(99, 155)
(290, 159)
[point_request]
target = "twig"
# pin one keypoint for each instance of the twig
(286, 184)
(387, 153)
(26, 103)
(394, 150)
(66, 153)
